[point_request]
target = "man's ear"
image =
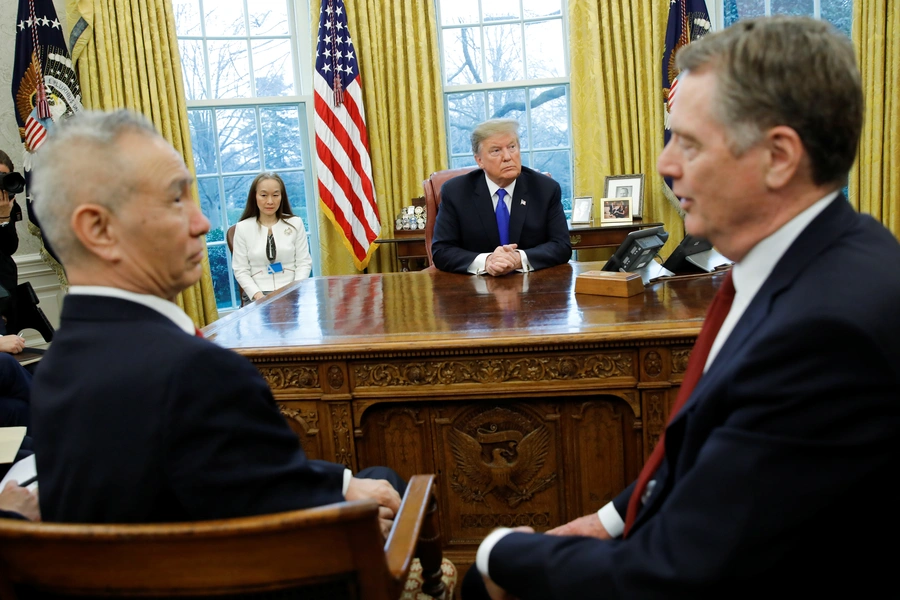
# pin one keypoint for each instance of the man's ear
(93, 225)
(786, 156)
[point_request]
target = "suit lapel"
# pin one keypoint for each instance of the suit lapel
(484, 208)
(518, 208)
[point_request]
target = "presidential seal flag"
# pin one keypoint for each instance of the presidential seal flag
(44, 84)
(344, 168)
(688, 21)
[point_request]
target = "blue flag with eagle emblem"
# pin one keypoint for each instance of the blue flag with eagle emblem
(45, 86)
(688, 21)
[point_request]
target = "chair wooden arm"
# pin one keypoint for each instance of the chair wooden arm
(415, 534)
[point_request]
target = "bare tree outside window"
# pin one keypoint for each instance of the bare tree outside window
(507, 59)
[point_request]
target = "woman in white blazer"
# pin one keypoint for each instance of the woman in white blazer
(270, 247)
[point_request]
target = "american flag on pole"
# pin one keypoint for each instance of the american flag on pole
(342, 145)
(44, 83)
(688, 21)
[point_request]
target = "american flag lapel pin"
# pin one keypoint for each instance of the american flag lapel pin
(522, 201)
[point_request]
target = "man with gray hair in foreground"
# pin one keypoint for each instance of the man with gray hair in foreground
(136, 417)
(784, 435)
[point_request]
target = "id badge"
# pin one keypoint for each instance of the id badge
(275, 267)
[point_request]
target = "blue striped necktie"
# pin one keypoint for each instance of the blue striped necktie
(502, 217)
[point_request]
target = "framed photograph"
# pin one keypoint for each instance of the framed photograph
(627, 186)
(615, 210)
(581, 209)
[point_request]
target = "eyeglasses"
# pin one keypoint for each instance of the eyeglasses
(496, 152)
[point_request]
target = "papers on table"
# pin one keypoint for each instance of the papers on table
(10, 441)
(22, 471)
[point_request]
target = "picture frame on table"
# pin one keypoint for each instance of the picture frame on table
(626, 186)
(582, 209)
(616, 210)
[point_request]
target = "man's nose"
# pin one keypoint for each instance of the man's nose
(667, 163)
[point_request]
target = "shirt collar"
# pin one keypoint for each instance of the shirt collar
(168, 309)
(749, 274)
(493, 187)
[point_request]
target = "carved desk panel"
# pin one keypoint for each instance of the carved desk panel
(531, 404)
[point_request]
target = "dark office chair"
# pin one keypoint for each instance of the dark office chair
(24, 312)
(432, 187)
(334, 552)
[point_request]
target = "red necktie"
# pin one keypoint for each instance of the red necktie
(715, 316)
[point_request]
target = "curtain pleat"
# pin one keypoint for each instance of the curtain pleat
(875, 179)
(127, 57)
(399, 63)
(615, 49)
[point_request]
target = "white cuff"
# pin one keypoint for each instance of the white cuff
(347, 477)
(526, 266)
(477, 266)
(611, 520)
(484, 550)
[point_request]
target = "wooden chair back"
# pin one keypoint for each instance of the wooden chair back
(229, 238)
(332, 552)
(432, 187)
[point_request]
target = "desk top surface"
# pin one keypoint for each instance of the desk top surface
(432, 310)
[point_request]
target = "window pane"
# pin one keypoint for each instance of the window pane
(211, 205)
(229, 69)
(238, 139)
(549, 117)
(224, 17)
(462, 55)
(510, 104)
(454, 12)
(203, 140)
(194, 68)
(742, 9)
(268, 17)
(541, 8)
(463, 161)
(236, 189)
(839, 13)
(545, 49)
(273, 68)
(221, 274)
(500, 9)
(296, 192)
(557, 164)
(465, 110)
(792, 7)
(187, 17)
(282, 138)
(503, 53)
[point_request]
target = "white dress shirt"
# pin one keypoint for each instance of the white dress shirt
(477, 266)
(748, 276)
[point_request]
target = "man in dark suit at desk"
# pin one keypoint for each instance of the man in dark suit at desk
(784, 433)
(137, 418)
(502, 217)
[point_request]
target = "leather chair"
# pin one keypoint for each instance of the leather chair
(432, 187)
(332, 552)
(229, 239)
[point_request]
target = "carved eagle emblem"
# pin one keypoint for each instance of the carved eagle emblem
(507, 469)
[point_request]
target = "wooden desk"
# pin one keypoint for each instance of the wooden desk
(411, 244)
(533, 405)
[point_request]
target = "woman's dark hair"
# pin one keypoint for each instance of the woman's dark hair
(5, 160)
(252, 208)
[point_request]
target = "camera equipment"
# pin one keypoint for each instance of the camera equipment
(13, 183)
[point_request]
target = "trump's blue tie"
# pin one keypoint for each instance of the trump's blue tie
(502, 217)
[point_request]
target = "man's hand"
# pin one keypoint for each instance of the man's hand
(503, 260)
(17, 499)
(12, 343)
(588, 525)
(376, 489)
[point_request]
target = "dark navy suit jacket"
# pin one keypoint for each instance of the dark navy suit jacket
(777, 469)
(466, 224)
(136, 421)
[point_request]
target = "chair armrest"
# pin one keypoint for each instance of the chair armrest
(415, 534)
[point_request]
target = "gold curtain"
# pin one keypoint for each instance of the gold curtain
(399, 62)
(875, 179)
(616, 49)
(127, 57)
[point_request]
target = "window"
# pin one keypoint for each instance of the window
(242, 76)
(838, 12)
(491, 72)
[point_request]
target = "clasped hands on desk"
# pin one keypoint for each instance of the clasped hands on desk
(411, 243)
(533, 404)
